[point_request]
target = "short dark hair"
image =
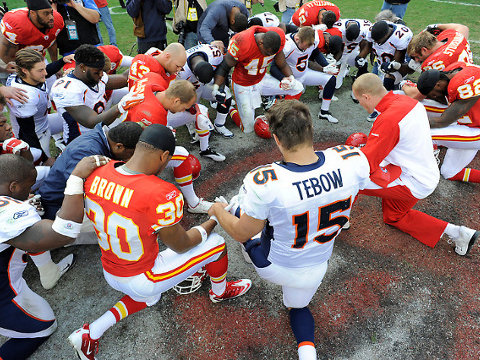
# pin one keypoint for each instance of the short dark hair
(255, 21)
(272, 41)
(329, 18)
(126, 133)
(90, 56)
(241, 22)
(291, 122)
(379, 30)
(14, 168)
(352, 31)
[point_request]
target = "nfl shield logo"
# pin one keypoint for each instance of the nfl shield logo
(46, 37)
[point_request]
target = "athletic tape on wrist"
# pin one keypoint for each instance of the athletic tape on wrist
(214, 218)
(74, 186)
(66, 227)
(202, 231)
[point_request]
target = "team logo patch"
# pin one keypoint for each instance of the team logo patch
(171, 195)
(46, 37)
(470, 79)
(20, 214)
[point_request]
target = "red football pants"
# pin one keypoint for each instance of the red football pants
(397, 204)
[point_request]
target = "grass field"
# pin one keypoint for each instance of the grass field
(419, 14)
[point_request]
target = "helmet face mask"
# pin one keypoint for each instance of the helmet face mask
(192, 283)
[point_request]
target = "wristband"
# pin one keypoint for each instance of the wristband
(66, 227)
(214, 218)
(74, 186)
(202, 232)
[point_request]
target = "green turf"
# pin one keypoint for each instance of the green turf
(419, 14)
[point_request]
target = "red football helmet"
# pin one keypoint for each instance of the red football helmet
(261, 127)
(357, 139)
(196, 167)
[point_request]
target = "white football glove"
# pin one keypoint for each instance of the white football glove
(331, 69)
(130, 100)
(331, 59)
(415, 66)
(360, 62)
(14, 145)
(394, 66)
(287, 82)
(219, 95)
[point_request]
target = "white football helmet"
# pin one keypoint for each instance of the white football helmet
(192, 283)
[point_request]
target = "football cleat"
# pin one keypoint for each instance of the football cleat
(357, 139)
(222, 130)
(372, 116)
(51, 273)
(209, 153)
(196, 166)
(201, 208)
(261, 127)
(233, 289)
(85, 346)
(436, 153)
(268, 102)
(192, 283)
(326, 115)
(465, 241)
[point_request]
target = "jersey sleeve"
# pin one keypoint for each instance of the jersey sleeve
(11, 28)
(235, 47)
(167, 206)
(255, 194)
(28, 109)
(15, 218)
(67, 93)
(464, 85)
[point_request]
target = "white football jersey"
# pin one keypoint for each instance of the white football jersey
(399, 40)
(36, 105)
(268, 19)
(70, 91)
(305, 205)
(15, 217)
(364, 29)
(210, 54)
(298, 59)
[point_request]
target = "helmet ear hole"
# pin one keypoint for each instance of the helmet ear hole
(357, 139)
(261, 127)
(192, 283)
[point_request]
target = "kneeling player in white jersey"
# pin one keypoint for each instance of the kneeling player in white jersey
(298, 50)
(304, 200)
(25, 317)
(80, 96)
(148, 210)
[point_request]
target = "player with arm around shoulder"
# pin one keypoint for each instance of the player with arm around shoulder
(25, 317)
(115, 198)
(301, 204)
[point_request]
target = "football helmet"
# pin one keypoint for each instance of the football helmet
(196, 166)
(357, 139)
(261, 127)
(192, 283)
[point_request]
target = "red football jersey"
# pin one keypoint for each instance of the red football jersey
(252, 64)
(307, 15)
(19, 30)
(455, 48)
(150, 111)
(142, 64)
(465, 85)
(126, 211)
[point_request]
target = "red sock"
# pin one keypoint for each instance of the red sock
(217, 269)
(126, 306)
(235, 116)
(467, 175)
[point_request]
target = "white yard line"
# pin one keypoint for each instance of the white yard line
(456, 3)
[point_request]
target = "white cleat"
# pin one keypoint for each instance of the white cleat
(213, 155)
(201, 208)
(50, 274)
(222, 130)
(326, 115)
(465, 241)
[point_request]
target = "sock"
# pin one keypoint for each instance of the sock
(203, 136)
(220, 119)
(467, 175)
(303, 327)
(20, 348)
(41, 258)
(325, 105)
(233, 112)
(183, 177)
(329, 90)
(126, 306)
(453, 231)
(217, 270)
(307, 352)
(389, 83)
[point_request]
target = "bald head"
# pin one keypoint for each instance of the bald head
(173, 58)
(369, 90)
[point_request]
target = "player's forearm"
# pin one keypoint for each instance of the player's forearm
(117, 81)
(230, 223)
(53, 51)
(454, 112)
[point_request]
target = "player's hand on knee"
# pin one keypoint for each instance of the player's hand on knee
(219, 95)
(287, 82)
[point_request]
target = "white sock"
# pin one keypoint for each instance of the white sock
(220, 119)
(218, 288)
(326, 104)
(189, 195)
(42, 259)
(203, 141)
(102, 324)
(453, 231)
(307, 352)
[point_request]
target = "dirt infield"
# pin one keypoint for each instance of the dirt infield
(385, 295)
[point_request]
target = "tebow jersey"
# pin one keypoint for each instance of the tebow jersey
(70, 91)
(36, 105)
(455, 48)
(465, 85)
(307, 15)
(209, 53)
(305, 205)
(127, 211)
(19, 30)
(142, 64)
(399, 40)
(364, 29)
(268, 19)
(252, 64)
